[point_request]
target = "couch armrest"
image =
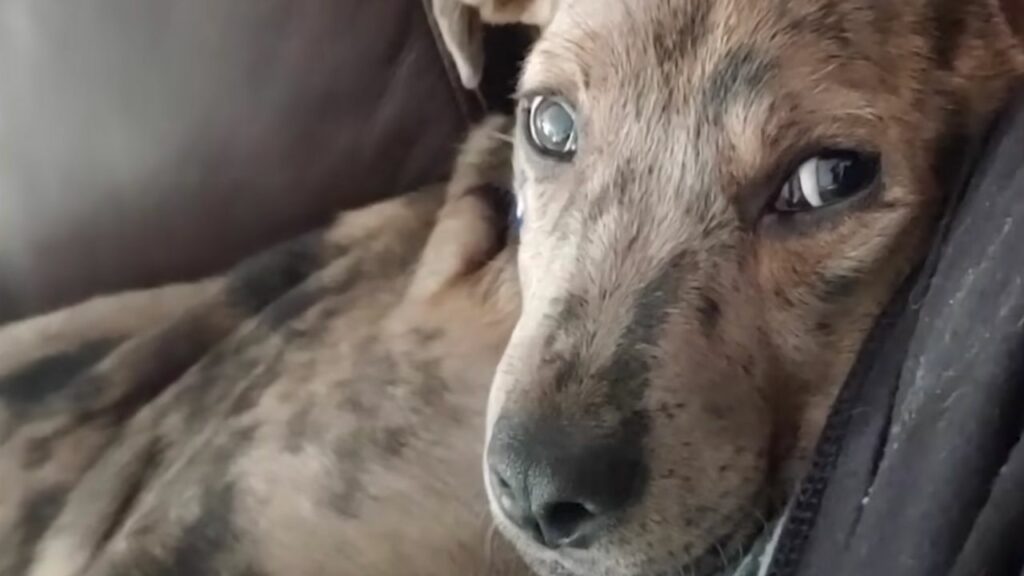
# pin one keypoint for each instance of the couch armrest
(145, 141)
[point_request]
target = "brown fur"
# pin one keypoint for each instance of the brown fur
(319, 410)
(658, 301)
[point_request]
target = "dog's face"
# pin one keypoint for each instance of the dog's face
(716, 197)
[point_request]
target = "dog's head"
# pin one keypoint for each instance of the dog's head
(716, 197)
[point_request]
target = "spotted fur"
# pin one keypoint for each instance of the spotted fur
(320, 409)
(317, 410)
(661, 303)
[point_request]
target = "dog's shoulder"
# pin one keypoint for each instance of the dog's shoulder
(291, 414)
(76, 383)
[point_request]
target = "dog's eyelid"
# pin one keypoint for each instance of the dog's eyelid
(524, 97)
(757, 195)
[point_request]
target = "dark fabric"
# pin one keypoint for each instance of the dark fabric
(505, 47)
(921, 469)
(147, 141)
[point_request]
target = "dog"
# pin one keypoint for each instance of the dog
(712, 200)
(317, 410)
(717, 197)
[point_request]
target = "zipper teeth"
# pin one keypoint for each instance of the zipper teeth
(807, 502)
(802, 515)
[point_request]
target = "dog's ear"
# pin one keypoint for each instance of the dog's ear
(462, 32)
(461, 25)
(529, 12)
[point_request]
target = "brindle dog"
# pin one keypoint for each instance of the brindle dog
(717, 198)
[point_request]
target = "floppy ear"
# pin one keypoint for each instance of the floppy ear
(530, 12)
(462, 32)
(461, 25)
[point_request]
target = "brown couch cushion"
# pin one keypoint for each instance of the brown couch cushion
(143, 141)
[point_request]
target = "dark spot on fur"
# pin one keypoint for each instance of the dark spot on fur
(236, 374)
(568, 326)
(828, 21)
(146, 366)
(37, 515)
(626, 377)
(655, 301)
(824, 327)
(426, 337)
(47, 376)
(350, 402)
(292, 305)
(883, 16)
(344, 501)
(38, 452)
(430, 387)
(208, 538)
(253, 359)
(568, 319)
(241, 438)
(568, 368)
(717, 411)
(681, 35)
(747, 366)
(673, 39)
(950, 25)
(709, 311)
(262, 279)
(297, 428)
(838, 287)
(254, 373)
(667, 411)
(395, 440)
(131, 488)
(364, 392)
(739, 75)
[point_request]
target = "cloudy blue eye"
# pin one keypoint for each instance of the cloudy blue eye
(552, 127)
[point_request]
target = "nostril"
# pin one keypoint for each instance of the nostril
(503, 490)
(563, 523)
(513, 503)
(563, 489)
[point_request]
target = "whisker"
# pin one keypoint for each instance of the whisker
(721, 556)
(489, 548)
(507, 138)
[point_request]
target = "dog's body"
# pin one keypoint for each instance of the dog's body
(317, 411)
(677, 347)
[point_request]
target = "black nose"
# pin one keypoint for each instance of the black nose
(558, 485)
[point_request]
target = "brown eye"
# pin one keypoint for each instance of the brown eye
(827, 178)
(552, 127)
